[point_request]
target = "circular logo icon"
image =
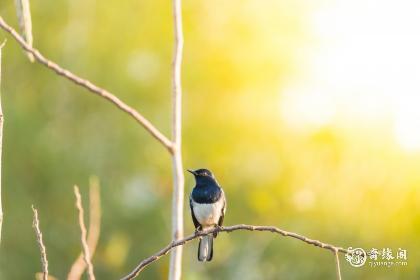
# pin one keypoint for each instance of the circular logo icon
(356, 257)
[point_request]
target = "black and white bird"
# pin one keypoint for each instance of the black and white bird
(208, 208)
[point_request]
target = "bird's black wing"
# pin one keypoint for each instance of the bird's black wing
(222, 215)
(196, 223)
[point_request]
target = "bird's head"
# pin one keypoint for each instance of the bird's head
(201, 172)
(202, 175)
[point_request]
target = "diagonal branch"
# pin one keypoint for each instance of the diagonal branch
(188, 239)
(79, 265)
(89, 86)
(86, 252)
(41, 245)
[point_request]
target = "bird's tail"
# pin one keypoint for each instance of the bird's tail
(205, 248)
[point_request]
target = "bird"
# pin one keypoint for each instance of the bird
(208, 208)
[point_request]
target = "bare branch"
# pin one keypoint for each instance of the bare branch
(41, 245)
(188, 239)
(337, 263)
(79, 265)
(23, 12)
(1, 143)
(175, 264)
(89, 86)
(86, 252)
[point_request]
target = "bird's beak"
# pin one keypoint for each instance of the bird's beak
(192, 171)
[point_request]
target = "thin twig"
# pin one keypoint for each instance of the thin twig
(23, 11)
(89, 86)
(337, 263)
(41, 245)
(86, 252)
(79, 264)
(187, 239)
(175, 264)
(1, 143)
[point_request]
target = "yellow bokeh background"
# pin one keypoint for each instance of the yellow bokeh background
(306, 111)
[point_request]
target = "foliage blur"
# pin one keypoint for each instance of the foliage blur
(319, 150)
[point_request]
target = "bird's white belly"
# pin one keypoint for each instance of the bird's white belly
(208, 214)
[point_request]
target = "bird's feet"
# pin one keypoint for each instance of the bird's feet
(218, 228)
(197, 230)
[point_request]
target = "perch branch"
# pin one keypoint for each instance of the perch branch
(79, 265)
(89, 86)
(175, 264)
(188, 239)
(41, 245)
(86, 252)
(1, 142)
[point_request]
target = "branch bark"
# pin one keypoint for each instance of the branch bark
(1, 143)
(79, 265)
(89, 86)
(175, 265)
(178, 243)
(86, 252)
(41, 245)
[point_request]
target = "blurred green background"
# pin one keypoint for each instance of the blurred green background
(306, 111)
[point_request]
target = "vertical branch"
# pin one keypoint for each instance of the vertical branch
(41, 245)
(23, 12)
(79, 265)
(1, 143)
(178, 173)
(86, 252)
(337, 263)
